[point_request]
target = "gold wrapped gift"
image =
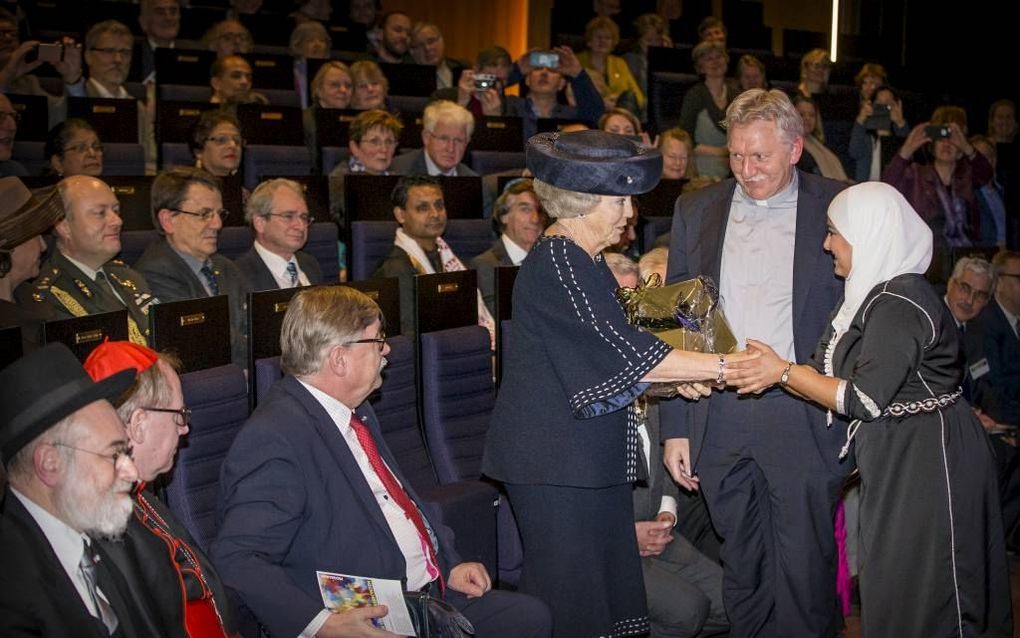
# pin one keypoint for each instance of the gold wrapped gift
(686, 315)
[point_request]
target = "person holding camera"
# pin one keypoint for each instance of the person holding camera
(546, 73)
(19, 59)
(943, 190)
(879, 120)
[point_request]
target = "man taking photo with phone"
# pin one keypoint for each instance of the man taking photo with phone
(19, 59)
(544, 81)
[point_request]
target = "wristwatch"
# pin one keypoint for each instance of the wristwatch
(785, 377)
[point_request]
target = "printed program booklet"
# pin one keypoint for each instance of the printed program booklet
(342, 591)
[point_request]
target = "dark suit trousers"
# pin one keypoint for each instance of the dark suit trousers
(772, 499)
(504, 614)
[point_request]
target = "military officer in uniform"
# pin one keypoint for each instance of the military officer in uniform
(81, 277)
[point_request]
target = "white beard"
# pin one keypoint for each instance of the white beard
(104, 514)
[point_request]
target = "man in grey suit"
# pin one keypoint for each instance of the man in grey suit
(279, 217)
(446, 132)
(187, 209)
(519, 220)
(769, 465)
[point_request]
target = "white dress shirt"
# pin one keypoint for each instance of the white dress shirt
(91, 274)
(121, 93)
(513, 251)
(277, 265)
(668, 503)
(434, 170)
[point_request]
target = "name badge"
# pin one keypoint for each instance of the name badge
(979, 369)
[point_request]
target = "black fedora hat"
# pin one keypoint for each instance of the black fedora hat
(42, 388)
(594, 162)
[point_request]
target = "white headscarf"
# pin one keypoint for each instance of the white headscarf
(888, 238)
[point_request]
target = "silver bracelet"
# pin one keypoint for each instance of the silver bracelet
(722, 366)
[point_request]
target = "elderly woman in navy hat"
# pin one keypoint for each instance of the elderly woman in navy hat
(564, 438)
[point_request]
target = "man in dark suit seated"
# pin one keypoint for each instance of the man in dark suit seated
(187, 209)
(184, 584)
(392, 40)
(519, 220)
(81, 277)
(279, 217)
(446, 132)
(160, 21)
(1001, 323)
(969, 289)
(69, 479)
(310, 485)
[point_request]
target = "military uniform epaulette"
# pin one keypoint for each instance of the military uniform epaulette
(41, 286)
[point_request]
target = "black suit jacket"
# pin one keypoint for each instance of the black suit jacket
(171, 279)
(257, 276)
(1001, 386)
(699, 227)
(37, 598)
(485, 266)
(293, 500)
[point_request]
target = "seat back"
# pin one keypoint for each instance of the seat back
(31, 155)
(654, 227)
(322, 244)
(468, 237)
(123, 159)
(267, 372)
(234, 241)
(371, 241)
(115, 120)
(133, 194)
(134, 242)
(262, 160)
(457, 399)
(488, 162)
(218, 399)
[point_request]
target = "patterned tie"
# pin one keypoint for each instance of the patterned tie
(88, 571)
(396, 492)
(210, 279)
(292, 271)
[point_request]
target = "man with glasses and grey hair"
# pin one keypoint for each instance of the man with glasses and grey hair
(70, 475)
(187, 210)
(82, 277)
(446, 133)
(278, 215)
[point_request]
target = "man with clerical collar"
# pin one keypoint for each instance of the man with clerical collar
(187, 209)
(82, 277)
(519, 220)
(70, 475)
(418, 248)
(446, 132)
(278, 214)
(182, 581)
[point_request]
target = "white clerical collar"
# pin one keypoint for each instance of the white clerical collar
(434, 170)
(513, 251)
(783, 199)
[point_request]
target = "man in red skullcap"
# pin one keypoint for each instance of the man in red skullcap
(179, 576)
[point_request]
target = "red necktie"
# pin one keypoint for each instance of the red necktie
(396, 492)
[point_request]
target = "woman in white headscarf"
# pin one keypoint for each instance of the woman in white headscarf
(933, 559)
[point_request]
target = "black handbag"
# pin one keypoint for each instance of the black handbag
(436, 618)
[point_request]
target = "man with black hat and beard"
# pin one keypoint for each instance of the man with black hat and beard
(70, 475)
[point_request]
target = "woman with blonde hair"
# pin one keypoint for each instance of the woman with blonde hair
(610, 72)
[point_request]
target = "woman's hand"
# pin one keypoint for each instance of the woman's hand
(959, 139)
(896, 113)
(758, 371)
(694, 390)
(865, 112)
(915, 140)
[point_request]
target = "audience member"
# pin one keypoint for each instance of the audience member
(446, 132)
(24, 217)
(183, 582)
(70, 476)
(312, 460)
(625, 271)
(187, 210)
(518, 219)
(494, 61)
(308, 41)
(621, 122)
(968, 291)
(1001, 323)
(418, 247)
(16, 73)
(429, 48)
(313, 10)
(751, 73)
(278, 215)
(869, 78)
(364, 12)
(870, 132)
(654, 262)
(8, 130)
(544, 85)
(677, 148)
(652, 32)
(227, 38)
(394, 38)
(82, 277)
(712, 29)
(1002, 125)
(991, 197)
(815, 67)
(230, 79)
(371, 88)
(609, 72)
(108, 55)
(817, 157)
(73, 148)
(332, 86)
(216, 143)
(243, 7)
(160, 21)
(704, 107)
(944, 191)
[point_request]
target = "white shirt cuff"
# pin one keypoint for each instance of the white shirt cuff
(313, 627)
(668, 504)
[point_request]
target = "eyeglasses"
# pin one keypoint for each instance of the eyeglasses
(109, 51)
(182, 416)
(9, 34)
(205, 216)
(970, 292)
(389, 142)
(380, 340)
(121, 453)
(223, 140)
(291, 216)
(446, 139)
(85, 147)
(14, 115)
